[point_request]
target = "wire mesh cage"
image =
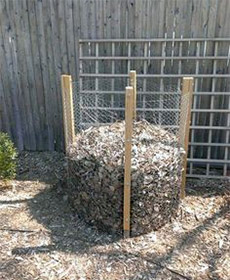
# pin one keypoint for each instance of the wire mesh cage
(102, 101)
(96, 157)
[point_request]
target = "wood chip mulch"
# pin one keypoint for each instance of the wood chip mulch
(41, 238)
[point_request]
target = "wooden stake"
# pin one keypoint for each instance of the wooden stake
(185, 118)
(133, 83)
(68, 113)
(129, 101)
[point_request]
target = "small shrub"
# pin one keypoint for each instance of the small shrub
(8, 156)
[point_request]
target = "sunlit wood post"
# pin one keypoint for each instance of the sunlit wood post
(129, 103)
(133, 83)
(185, 118)
(68, 113)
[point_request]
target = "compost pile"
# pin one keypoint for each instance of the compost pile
(96, 176)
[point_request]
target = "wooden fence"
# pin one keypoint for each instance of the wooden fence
(39, 42)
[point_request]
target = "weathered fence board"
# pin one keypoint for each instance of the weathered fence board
(39, 42)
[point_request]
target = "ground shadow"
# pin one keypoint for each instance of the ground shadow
(70, 234)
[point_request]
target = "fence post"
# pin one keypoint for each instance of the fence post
(68, 113)
(133, 83)
(129, 101)
(185, 118)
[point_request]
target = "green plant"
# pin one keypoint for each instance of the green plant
(8, 157)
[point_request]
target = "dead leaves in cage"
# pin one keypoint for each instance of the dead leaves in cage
(96, 169)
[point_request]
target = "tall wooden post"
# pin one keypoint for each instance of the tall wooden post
(185, 118)
(129, 101)
(68, 113)
(133, 83)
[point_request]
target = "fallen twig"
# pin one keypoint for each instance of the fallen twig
(19, 230)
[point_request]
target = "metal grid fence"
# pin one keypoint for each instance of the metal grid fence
(167, 61)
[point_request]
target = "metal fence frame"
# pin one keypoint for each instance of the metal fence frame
(209, 162)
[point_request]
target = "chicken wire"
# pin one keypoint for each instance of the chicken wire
(102, 101)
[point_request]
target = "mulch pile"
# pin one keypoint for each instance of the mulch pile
(96, 176)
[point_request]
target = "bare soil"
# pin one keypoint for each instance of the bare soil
(41, 238)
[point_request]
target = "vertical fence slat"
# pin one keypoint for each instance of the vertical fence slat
(48, 132)
(56, 50)
(40, 100)
(129, 55)
(80, 81)
(96, 83)
(5, 79)
(213, 85)
(194, 106)
(227, 141)
(113, 80)
(8, 45)
(163, 54)
(145, 72)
